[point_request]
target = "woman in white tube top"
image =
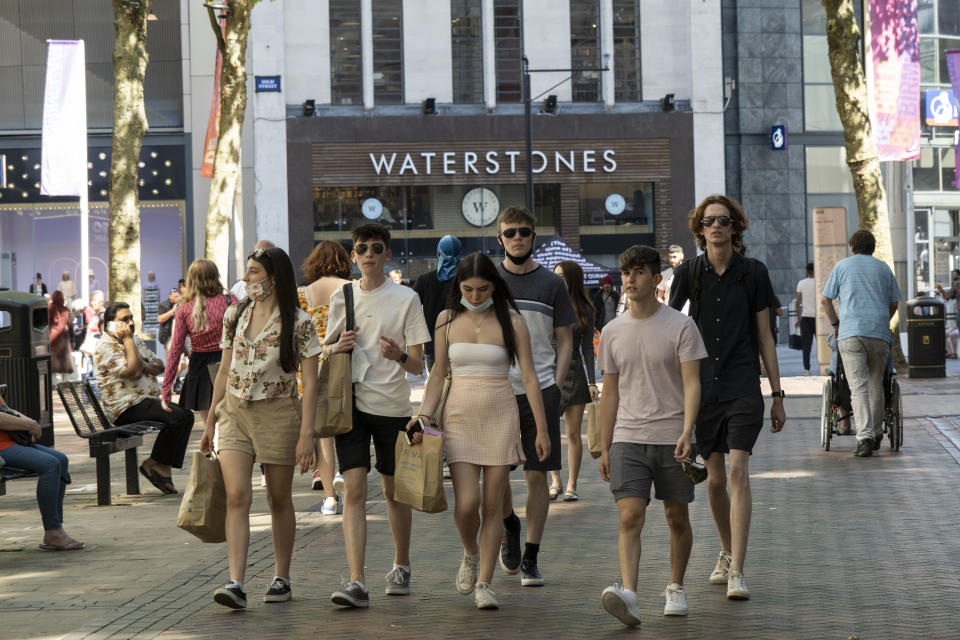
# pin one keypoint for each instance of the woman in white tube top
(484, 335)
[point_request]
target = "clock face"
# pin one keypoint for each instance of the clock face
(371, 208)
(480, 206)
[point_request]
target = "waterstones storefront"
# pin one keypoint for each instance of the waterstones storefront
(624, 179)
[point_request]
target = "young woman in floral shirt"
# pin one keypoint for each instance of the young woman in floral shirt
(266, 339)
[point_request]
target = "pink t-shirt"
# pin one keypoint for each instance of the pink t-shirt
(647, 354)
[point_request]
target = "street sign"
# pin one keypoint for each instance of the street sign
(267, 84)
(778, 137)
(940, 108)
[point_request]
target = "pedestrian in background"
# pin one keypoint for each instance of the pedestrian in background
(61, 347)
(68, 287)
(579, 386)
(606, 302)
(397, 276)
(38, 287)
(806, 310)
(433, 287)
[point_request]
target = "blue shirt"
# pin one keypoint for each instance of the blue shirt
(865, 288)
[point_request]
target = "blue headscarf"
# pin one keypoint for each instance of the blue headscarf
(448, 254)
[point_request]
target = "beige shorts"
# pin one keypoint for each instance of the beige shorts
(268, 430)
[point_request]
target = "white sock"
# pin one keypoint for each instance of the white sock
(400, 566)
(237, 583)
(286, 581)
(362, 586)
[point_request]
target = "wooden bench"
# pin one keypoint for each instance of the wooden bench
(82, 403)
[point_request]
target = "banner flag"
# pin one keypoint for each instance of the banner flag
(64, 144)
(213, 124)
(895, 79)
(953, 65)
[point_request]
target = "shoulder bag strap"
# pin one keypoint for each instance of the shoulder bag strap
(348, 302)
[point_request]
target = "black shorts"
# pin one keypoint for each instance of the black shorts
(528, 430)
(353, 447)
(731, 424)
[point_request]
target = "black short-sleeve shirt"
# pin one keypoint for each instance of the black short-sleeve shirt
(726, 323)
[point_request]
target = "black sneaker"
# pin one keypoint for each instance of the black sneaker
(510, 551)
(877, 441)
(352, 595)
(864, 448)
(279, 591)
(230, 595)
(530, 575)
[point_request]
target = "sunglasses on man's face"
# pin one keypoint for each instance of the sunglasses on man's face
(525, 232)
(724, 221)
(376, 247)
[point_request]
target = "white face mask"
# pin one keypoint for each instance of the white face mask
(483, 306)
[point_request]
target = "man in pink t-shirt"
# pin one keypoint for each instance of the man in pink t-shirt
(650, 358)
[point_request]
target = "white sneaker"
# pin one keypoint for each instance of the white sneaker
(720, 572)
(676, 601)
(484, 597)
(467, 575)
(737, 587)
(338, 484)
(622, 605)
(330, 507)
(806, 372)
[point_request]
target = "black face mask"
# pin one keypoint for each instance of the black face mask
(515, 259)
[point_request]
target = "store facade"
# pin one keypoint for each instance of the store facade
(602, 182)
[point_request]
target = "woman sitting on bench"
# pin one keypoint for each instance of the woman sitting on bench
(18, 437)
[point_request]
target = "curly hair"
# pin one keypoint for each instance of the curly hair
(740, 222)
(328, 259)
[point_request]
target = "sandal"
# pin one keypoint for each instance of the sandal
(72, 545)
(163, 483)
(555, 492)
(570, 496)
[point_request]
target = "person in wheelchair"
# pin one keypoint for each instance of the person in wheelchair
(842, 388)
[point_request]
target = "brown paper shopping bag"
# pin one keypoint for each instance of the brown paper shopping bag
(418, 479)
(203, 511)
(593, 430)
(335, 386)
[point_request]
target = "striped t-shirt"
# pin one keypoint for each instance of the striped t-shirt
(864, 288)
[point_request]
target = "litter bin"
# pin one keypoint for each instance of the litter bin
(925, 338)
(25, 358)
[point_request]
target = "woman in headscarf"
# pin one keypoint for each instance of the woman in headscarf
(61, 351)
(433, 287)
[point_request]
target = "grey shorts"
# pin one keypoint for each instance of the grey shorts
(634, 467)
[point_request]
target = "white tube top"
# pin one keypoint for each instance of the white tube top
(478, 360)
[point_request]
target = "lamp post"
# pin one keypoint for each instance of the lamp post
(528, 111)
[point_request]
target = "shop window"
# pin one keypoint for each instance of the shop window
(508, 44)
(585, 49)
(626, 51)
(928, 60)
(926, 173)
(925, 16)
(820, 108)
(827, 170)
(388, 51)
(945, 45)
(546, 204)
(346, 85)
(617, 204)
(467, 45)
(948, 163)
(948, 14)
(343, 208)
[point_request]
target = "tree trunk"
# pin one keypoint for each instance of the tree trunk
(850, 88)
(129, 126)
(233, 104)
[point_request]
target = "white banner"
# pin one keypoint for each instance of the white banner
(64, 146)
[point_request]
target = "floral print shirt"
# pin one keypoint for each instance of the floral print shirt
(255, 371)
(118, 392)
(318, 313)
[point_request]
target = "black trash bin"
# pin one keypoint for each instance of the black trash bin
(25, 358)
(926, 338)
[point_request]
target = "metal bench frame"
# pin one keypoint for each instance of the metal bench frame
(81, 400)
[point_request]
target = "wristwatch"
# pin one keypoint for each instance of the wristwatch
(778, 394)
(403, 358)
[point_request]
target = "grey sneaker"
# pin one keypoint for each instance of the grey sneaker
(737, 587)
(484, 597)
(676, 604)
(621, 604)
(279, 591)
(530, 575)
(719, 575)
(398, 582)
(231, 595)
(467, 575)
(352, 594)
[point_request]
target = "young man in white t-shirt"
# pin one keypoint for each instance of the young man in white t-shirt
(807, 315)
(650, 357)
(387, 344)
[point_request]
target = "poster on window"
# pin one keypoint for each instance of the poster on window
(894, 79)
(953, 66)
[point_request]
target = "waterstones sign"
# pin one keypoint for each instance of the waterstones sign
(492, 162)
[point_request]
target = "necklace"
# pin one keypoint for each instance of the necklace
(477, 325)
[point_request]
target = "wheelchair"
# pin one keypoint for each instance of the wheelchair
(836, 395)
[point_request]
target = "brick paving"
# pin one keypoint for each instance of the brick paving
(839, 547)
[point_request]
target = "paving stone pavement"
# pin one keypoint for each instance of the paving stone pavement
(839, 547)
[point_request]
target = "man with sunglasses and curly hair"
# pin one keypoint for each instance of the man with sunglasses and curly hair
(387, 344)
(545, 305)
(730, 296)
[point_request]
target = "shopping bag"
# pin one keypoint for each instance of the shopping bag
(335, 386)
(418, 478)
(593, 430)
(203, 511)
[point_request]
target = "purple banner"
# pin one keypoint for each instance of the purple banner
(953, 64)
(895, 78)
